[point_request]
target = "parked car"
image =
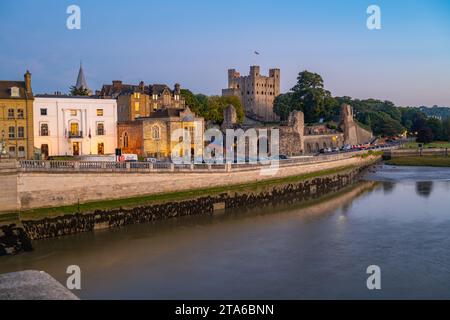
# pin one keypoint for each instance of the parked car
(152, 160)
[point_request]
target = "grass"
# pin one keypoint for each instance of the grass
(435, 144)
(429, 161)
(172, 196)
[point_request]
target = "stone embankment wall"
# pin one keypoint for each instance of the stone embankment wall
(13, 240)
(287, 193)
(49, 189)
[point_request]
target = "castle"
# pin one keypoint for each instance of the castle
(296, 138)
(256, 92)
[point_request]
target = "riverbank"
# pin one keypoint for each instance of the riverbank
(428, 161)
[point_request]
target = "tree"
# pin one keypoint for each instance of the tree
(74, 91)
(211, 108)
(282, 105)
(425, 135)
(309, 96)
(437, 128)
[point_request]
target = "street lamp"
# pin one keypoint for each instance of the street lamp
(3, 143)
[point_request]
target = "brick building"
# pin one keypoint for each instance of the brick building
(16, 118)
(151, 136)
(137, 101)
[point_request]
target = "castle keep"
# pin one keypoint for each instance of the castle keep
(256, 92)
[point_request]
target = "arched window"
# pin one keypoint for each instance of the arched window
(156, 133)
(125, 140)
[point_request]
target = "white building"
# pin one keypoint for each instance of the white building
(74, 126)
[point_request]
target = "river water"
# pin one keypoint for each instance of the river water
(397, 219)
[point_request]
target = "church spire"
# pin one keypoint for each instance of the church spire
(81, 80)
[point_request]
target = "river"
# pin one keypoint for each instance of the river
(397, 219)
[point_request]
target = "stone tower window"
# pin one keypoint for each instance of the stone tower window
(156, 133)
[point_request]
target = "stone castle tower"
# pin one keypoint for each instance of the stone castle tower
(256, 92)
(348, 125)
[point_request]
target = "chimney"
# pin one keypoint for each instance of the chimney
(141, 86)
(27, 77)
(177, 88)
(117, 84)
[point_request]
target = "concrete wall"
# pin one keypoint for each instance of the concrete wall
(8, 191)
(45, 189)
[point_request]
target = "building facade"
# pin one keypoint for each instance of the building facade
(137, 101)
(256, 92)
(16, 118)
(74, 126)
(152, 136)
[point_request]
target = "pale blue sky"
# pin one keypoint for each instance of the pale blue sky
(195, 42)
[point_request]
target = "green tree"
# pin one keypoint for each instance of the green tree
(437, 128)
(282, 105)
(78, 92)
(309, 96)
(425, 135)
(211, 108)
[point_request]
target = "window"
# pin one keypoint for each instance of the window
(43, 111)
(156, 133)
(73, 113)
(21, 132)
(12, 133)
(125, 140)
(20, 113)
(155, 97)
(100, 129)
(44, 129)
(99, 112)
(177, 97)
(15, 92)
(12, 151)
(155, 106)
(10, 113)
(137, 95)
(136, 106)
(21, 152)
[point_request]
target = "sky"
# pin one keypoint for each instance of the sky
(195, 42)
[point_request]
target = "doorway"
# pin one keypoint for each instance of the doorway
(44, 151)
(101, 148)
(76, 148)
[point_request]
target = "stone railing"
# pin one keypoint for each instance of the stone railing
(394, 153)
(104, 166)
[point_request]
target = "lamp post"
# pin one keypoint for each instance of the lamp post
(3, 151)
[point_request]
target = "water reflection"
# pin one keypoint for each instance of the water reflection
(320, 250)
(424, 188)
(388, 187)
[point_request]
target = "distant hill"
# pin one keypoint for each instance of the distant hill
(436, 112)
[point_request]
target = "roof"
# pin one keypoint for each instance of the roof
(128, 89)
(166, 113)
(5, 89)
